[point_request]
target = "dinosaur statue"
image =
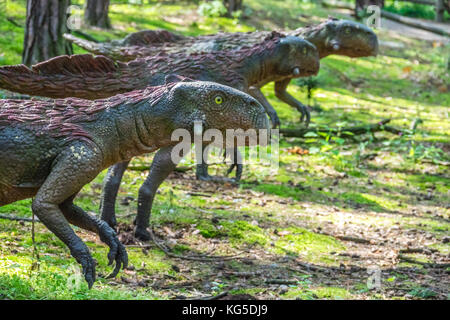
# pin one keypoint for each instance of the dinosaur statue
(333, 36)
(162, 165)
(246, 69)
(51, 149)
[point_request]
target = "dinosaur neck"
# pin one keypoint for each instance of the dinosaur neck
(258, 69)
(131, 129)
(317, 36)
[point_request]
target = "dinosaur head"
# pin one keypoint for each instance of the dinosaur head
(299, 58)
(216, 106)
(352, 39)
(342, 37)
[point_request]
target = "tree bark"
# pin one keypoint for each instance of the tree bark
(232, 6)
(96, 13)
(45, 26)
(440, 10)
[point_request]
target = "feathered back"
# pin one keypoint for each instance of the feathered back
(64, 118)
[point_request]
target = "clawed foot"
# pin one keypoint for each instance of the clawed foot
(84, 258)
(306, 116)
(117, 251)
(142, 234)
(239, 168)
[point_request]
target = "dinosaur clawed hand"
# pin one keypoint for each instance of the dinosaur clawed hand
(142, 234)
(306, 116)
(81, 253)
(239, 169)
(117, 251)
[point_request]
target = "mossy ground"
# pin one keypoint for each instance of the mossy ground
(318, 224)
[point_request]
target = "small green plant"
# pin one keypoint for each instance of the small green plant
(422, 293)
(212, 9)
(310, 84)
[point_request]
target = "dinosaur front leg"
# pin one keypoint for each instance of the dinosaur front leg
(258, 95)
(68, 175)
(201, 173)
(111, 185)
(283, 95)
(236, 159)
(76, 216)
(160, 169)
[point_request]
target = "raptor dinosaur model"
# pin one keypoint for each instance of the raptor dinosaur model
(277, 58)
(247, 69)
(333, 36)
(51, 149)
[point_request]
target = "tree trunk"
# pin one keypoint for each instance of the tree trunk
(232, 6)
(96, 13)
(45, 25)
(440, 10)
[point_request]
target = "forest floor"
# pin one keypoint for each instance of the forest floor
(365, 217)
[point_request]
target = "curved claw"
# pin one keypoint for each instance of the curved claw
(117, 251)
(87, 263)
(121, 261)
(239, 169)
(275, 120)
(142, 235)
(89, 272)
(305, 114)
(82, 255)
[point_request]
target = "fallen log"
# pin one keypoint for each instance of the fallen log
(392, 16)
(14, 218)
(414, 23)
(343, 132)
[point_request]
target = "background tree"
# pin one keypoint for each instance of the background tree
(232, 5)
(45, 26)
(96, 13)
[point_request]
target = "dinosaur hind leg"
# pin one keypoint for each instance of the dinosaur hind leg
(111, 185)
(67, 176)
(76, 216)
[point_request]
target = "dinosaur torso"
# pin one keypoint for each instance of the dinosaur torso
(34, 133)
(90, 77)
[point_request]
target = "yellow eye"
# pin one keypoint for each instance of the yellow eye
(304, 50)
(348, 30)
(218, 99)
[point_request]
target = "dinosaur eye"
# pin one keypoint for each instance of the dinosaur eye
(304, 50)
(348, 30)
(218, 99)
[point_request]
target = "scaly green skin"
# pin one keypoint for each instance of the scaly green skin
(51, 149)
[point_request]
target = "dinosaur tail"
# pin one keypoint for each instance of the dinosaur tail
(81, 76)
(90, 46)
